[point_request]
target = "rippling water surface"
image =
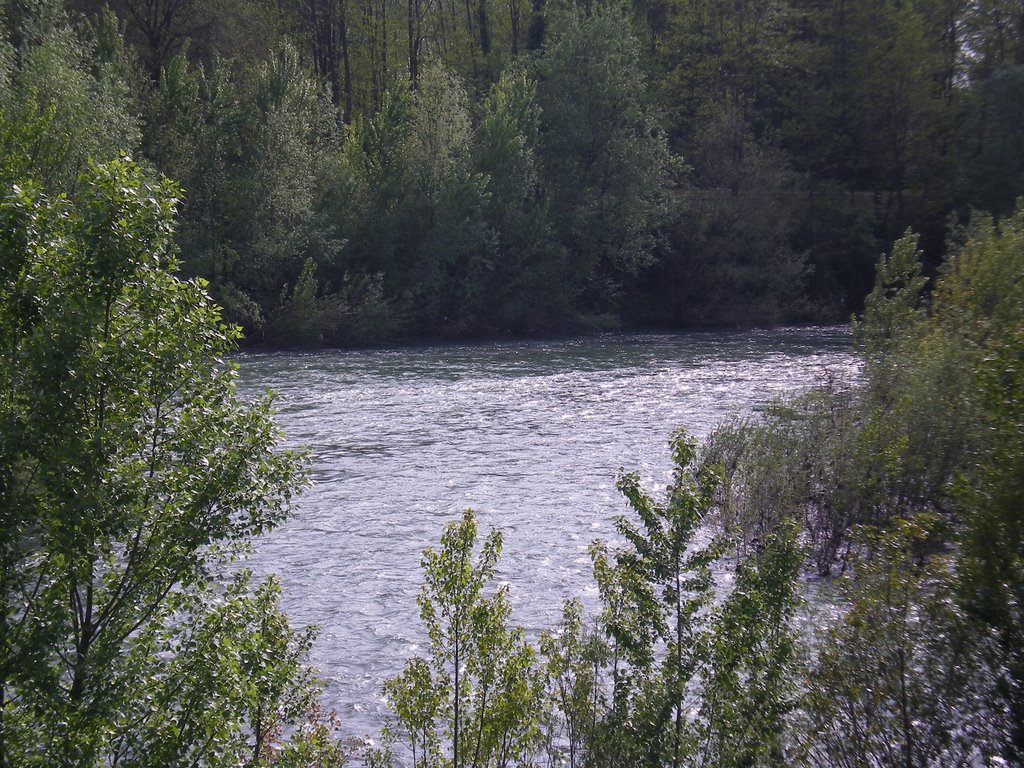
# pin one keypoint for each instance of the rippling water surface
(529, 434)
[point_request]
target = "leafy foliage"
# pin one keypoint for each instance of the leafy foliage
(899, 679)
(664, 162)
(476, 700)
(655, 591)
(354, 171)
(750, 690)
(982, 300)
(68, 94)
(576, 658)
(608, 164)
(131, 477)
(692, 680)
(923, 668)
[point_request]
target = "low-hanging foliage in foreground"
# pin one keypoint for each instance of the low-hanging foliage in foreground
(912, 477)
(667, 675)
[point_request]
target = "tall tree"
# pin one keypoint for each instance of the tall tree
(63, 80)
(130, 475)
(327, 22)
(607, 163)
(654, 591)
(161, 24)
(521, 279)
(475, 701)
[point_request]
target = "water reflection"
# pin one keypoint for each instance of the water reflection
(530, 434)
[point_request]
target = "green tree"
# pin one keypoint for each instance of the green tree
(370, 209)
(894, 311)
(476, 700)
(674, 676)
(991, 134)
(717, 58)
(981, 299)
(447, 196)
(843, 455)
(575, 660)
(924, 666)
(729, 257)
(253, 155)
(304, 316)
(290, 132)
(868, 105)
(416, 214)
(898, 679)
(131, 476)
(750, 689)
(992, 138)
(235, 677)
(522, 276)
(58, 78)
(655, 590)
(823, 459)
(991, 568)
(607, 166)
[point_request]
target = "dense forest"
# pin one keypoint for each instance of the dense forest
(332, 173)
(357, 171)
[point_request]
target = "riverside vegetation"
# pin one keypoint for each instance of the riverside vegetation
(132, 478)
(363, 170)
(905, 486)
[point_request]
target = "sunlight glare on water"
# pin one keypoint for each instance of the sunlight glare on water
(529, 434)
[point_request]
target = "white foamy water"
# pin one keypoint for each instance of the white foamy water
(529, 434)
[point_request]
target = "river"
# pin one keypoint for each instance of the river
(530, 434)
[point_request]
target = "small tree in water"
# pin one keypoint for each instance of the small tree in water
(655, 590)
(692, 683)
(476, 700)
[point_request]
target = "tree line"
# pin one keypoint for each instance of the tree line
(359, 171)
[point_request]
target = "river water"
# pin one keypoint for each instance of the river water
(529, 434)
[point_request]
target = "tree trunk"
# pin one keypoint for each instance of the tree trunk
(413, 6)
(345, 61)
(485, 28)
(383, 47)
(472, 36)
(513, 19)
(320, 20)
(370, 31)
(535, 36)
(5, 653)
